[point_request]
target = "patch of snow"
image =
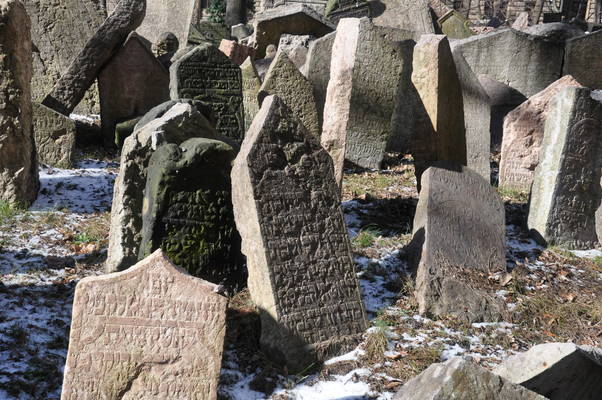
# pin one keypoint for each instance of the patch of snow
(593, 253)
(351, 356)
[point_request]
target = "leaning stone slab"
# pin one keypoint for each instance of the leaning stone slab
(339, 9)
(287, 210)
(150, 332)
(18, 165)
(462, 379)
(130, 84)
(250, 89)
(317, 70)
(236, 52)
(187, 211)
(566, 186)
(207, 75)
(527, 63)
(181, 122)
(284, 80)
(558, 371)
(55, 137)
(455, 26)
(84, 69)
(582, 60)
(411, 15)
(459, 233)
(523, 134)
(207, 32)
(296, 47)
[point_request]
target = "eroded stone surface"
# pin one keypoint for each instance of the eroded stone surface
(55, 137)
(295, 47)
(566, 188)
(207, 75)
(412, 15)
(250, 90)
(339, 9)
(150, 332)
(208, 32)
(583, 60)
(236, 52)
(455, 26)
(317, 70)
(18, 165)
(287, 210)
(523, 134)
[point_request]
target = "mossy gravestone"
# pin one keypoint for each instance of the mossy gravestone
(187, 210)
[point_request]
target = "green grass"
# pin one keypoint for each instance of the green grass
(366, 238)
(8, 211)
(515, 195)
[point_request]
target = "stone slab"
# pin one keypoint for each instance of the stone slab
(250, 89)
(411, 15)
(339, 9)
(317, 70)
(54, 137)
(207, 32)
(582, 60)
(455, 26)
(238, 53)
(296, 47)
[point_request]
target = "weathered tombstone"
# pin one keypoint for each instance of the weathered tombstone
(455, 26)
(287, 210)
(166, 47)
(477, 117)
(130, 84)
(208, 32)
(54, 137)
(241, 31)
(59, 31)
(521, 22)
(339, 9)
(524, 62)
(84, 69)
(296, 19)
(187, 211)
(207, 75)
(361, 95)
(411, 15)
(440, 133)
(523, 134)
(161, 17)
(566, 188)
(459, 233)
(583, 60)
(284, 80)
(18, 165)
(317, 6)
(181, 122)
(263, 64)
(250, 89)
(152, 331)
(317, 70)
(236, 52)
(295, 47)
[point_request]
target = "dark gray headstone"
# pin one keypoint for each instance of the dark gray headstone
(55, 137)
(317, 70)
(583, 60)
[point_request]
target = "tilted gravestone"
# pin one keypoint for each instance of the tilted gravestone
(339, 9)
(207, 75)
(54, 136)
(207, 32)
(523, 134)
(236, 52)
(182, 121)
(187, 211)
(18, 165)
(85, 67)
(287, 210)
(411, 15)
(296, 47)
(317, 70)
(361, 96)
(566, 186)
(250, 89)
(455, 26)
(59, 30)
(130, 84)
(284, 80)
(152, 331)
(582, 60)
(459, 233)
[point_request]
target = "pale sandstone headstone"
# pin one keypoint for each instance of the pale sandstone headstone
(459, 231)
(207, 75)
(250, 89)
(236, 52)
(412, 15)
(583, 60)
(18, 164)
(181, 122)
(85, 67)
(130, 84)
(151, 332)
(566, 188)
(284, 80)
(521, 22)
(523, 134)
(455, 26)
(295, 47)
(54, 136)
(317, 70)
(287, 210)
(187, 211)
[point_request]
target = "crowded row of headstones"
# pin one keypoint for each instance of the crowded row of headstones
(235, 164)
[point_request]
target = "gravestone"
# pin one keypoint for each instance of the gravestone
(207, 75)
(459, 233)
(284, 80)
(521, 22)
(455, 26)
(287, 210)
(152, 331)
(130, 84)
(339, 9)
(566, 186)
(18, 165)
(250, 89)
(317, 70)
(161, 16)
(361, 95)
(527, 63)
(523, 134)
(54, 137)
(317, 6)
(411, 15)
(295, 47)
(165, 48)
(263, 64)
(440, 133)
(236, 52)
(187, 211)
(208, 32)
(59, 30)
(583, 60)
(181, 122)
(85, 67)
(241, 31)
